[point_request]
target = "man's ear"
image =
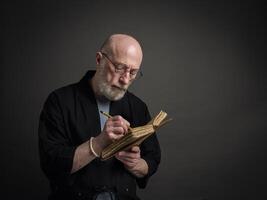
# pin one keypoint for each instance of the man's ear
(98, 58)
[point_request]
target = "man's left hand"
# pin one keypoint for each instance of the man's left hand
(133, 162)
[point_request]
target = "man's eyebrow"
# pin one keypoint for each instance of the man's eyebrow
(123, 64)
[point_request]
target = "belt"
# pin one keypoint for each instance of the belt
(105, 193)
(95, 193)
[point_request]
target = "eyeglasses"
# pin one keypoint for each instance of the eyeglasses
(122, 68)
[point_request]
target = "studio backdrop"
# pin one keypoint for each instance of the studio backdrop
(204, 64)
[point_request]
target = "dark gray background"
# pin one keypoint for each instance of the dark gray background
(204, 63)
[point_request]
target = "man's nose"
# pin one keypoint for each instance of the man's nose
(125, 78)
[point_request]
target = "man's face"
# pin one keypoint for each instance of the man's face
(113, 83)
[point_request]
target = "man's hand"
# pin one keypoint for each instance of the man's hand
(133, 162)
(115, 127)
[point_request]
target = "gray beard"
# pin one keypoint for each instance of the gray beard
(109, 92)
(103, 87)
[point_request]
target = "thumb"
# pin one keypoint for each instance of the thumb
(135, 149)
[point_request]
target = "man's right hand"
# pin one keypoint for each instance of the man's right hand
(114, 128)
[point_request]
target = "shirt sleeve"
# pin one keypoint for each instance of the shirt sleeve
(56, 152)
(151, 153)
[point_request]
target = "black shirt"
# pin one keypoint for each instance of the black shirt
(70, 117)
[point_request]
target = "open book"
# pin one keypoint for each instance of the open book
(135, 136)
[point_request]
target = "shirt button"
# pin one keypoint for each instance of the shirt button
(79, 194)
(126, 189)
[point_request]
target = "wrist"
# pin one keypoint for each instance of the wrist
(92, 148)
(98, 144)
(140, 169)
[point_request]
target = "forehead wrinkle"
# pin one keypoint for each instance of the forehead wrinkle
(124, 49)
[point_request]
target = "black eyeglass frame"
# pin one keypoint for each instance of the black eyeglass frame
(122, 69)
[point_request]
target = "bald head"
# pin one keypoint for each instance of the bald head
(117, 65)
(123, 46)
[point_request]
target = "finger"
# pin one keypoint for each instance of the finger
(126, 154)
(135, 149)
(117, 124)
(124, 122)
(119, 118)
(117, 130)
(110, 125)
(116, 118)
(121, 124)
(119, 121)
(128, 161)
(127, 123)
(114, 136)
(125, 160)
(127, 164)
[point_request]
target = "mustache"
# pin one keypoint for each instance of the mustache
(120, 88)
